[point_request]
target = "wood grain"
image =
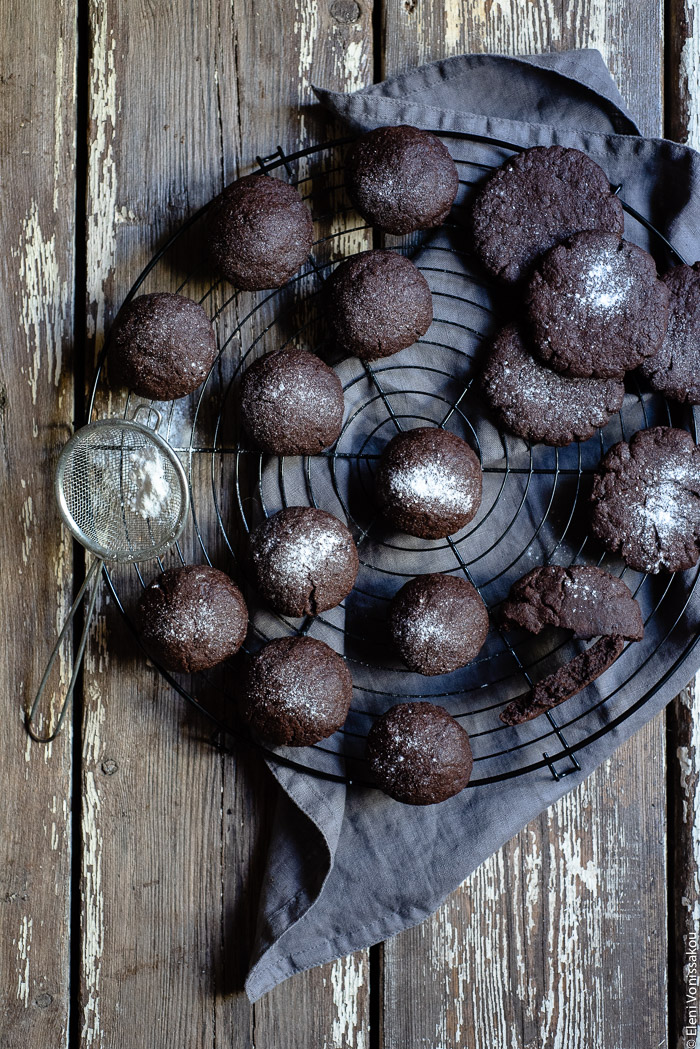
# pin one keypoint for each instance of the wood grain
(683, 125)
(174, 834)
(525, 953)
(37, 157)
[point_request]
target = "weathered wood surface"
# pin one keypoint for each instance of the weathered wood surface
(174, 835)
(37, 135)
(560, 940)
(526, 952)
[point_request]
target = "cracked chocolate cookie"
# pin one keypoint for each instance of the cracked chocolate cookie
(536, 200)
(645, 502)
(428, 482)
(675, 370)
(596, 307)
(161, 346)
(260, 232)
(419, 754)
(536, 403)
(438, 623)
(582, 598)
(378, 303)
(401, 178)
(291, 403)
(295, 691)
(192, 618)
(304, 560)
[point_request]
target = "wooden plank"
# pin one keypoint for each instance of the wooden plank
(174, 834)
(37, 173)
(527, 952)
(683, 125)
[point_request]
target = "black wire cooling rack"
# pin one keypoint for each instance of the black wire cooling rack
(532, 512)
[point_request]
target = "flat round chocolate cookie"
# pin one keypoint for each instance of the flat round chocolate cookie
(291, 403)
(582, 598)
(192, 618)
(304, 560)
(401, 178)
(538, 404)
(378, 303)
(438, 623)
(675, 370)
(295, 691)
(428, 482)
(419, 754)
(645, 501)
(536, 200)
(260, 232)
(161, 346)
(596, 307)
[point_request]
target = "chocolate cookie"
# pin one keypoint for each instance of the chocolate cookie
(536, 403)
(378, 303)
(438, 623)
(419, 754)
(645, 501)
(582, 598)
(192, 618)
(536, 200)
(596, 307)
(295, 691)
(161, 346)
(291, 403)
(304, 560)
(401, 178)
(675, 369)
(565, 682)
(428, 482)
(260, 232)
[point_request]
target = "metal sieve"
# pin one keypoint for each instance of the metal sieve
(123, 493)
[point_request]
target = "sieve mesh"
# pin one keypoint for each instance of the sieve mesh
(121, 490)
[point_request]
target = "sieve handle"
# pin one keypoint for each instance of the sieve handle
(91, 578)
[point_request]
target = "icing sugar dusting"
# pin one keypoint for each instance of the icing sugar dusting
(433, 483)
(148, 487)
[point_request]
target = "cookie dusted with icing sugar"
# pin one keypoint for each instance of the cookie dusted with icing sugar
(536, 200)
(419, 754)
(675, 370)
(596, 307)
(304, 560)
(295, 691)
(192, 618)
(401, 178)
(536, 403)
(645, 502)
(428, 482)
(438, 623)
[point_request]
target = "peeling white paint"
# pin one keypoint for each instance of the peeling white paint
(92, 895)
(23, 942)
(348, 978)
(690, 73)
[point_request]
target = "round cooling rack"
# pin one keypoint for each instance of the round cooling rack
(533, 509)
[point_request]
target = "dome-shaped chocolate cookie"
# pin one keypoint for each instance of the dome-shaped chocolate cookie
(428, 482)
(260, 232)
(401, 178)
(291, 403)
(538, 404)
(192, 618)
(438, 623)
(378, 303)
(304, 560)
(419, 754)
(596, 307)
(536, 200)
(295, 691)
(645, 501)
(161, 346)
(675, 370)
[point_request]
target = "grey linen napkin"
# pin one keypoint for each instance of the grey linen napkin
(347, 866)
